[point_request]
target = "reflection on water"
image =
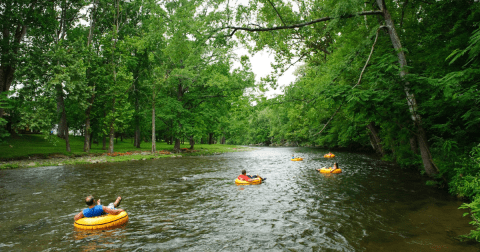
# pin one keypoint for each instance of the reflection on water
(93, 240)
(193, 204)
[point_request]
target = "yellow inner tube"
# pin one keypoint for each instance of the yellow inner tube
(329, 170)
(329, 156)
(104, 221)
(297, 159)
(255, 181)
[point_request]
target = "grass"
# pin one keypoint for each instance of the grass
(34, 150)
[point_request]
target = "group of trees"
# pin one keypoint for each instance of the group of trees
(400, 76)
(109, 68)
(388, 76)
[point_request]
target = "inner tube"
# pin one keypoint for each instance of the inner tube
(255, 181)
(297, 159)
(329, 156)
(329, 170)
(103, 221)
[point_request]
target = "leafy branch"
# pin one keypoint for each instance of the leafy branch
(358, 82)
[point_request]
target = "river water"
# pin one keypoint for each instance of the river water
(193, 204)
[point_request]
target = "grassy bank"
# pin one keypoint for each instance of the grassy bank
(35, 150)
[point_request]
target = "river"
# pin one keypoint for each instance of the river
(193, 204)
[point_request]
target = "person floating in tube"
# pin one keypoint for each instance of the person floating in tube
(335, 167)
(248, 178)
(97, 210)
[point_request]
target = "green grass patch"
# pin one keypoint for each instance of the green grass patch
(9, 166)
(36, 147)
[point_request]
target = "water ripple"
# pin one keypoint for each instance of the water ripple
(193, 204)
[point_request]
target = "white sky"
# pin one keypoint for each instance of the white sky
(261, 61)
(261, 67)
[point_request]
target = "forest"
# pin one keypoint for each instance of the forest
(399, 77)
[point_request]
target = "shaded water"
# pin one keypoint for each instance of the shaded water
(193, 204)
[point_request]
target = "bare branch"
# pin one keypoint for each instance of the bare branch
(359, 79)
(278, 14)
(285, 27)
(334, 114)
(369, 56)
(292, 64)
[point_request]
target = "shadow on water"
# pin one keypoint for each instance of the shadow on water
(193, 204)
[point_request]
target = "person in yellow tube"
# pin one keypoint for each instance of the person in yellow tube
(248, 178)
(335, 166)
(97, 210)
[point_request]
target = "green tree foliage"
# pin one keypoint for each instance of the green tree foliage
(460, 88)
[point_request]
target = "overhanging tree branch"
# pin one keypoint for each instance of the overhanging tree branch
(285, 27)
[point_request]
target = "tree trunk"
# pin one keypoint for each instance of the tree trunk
(425, 152)
(87, 142)
(62, 124)
(413, 145)
(138, 137)
(210, 138)
(6, 79)
(87, 145)
(67, 141)
(91, 138)
(63, 129)
(104, 142)
(154, 145)
(375, 139)
(192, 142)
(111, 137)
(112, 129)
(176, 148)
(430, 169)
(135, 138)
(92, 23)
(59, 35)
(112, 123)
(223, 140)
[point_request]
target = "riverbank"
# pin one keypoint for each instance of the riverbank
(35, 151)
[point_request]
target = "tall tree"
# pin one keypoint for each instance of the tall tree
(20, 20)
